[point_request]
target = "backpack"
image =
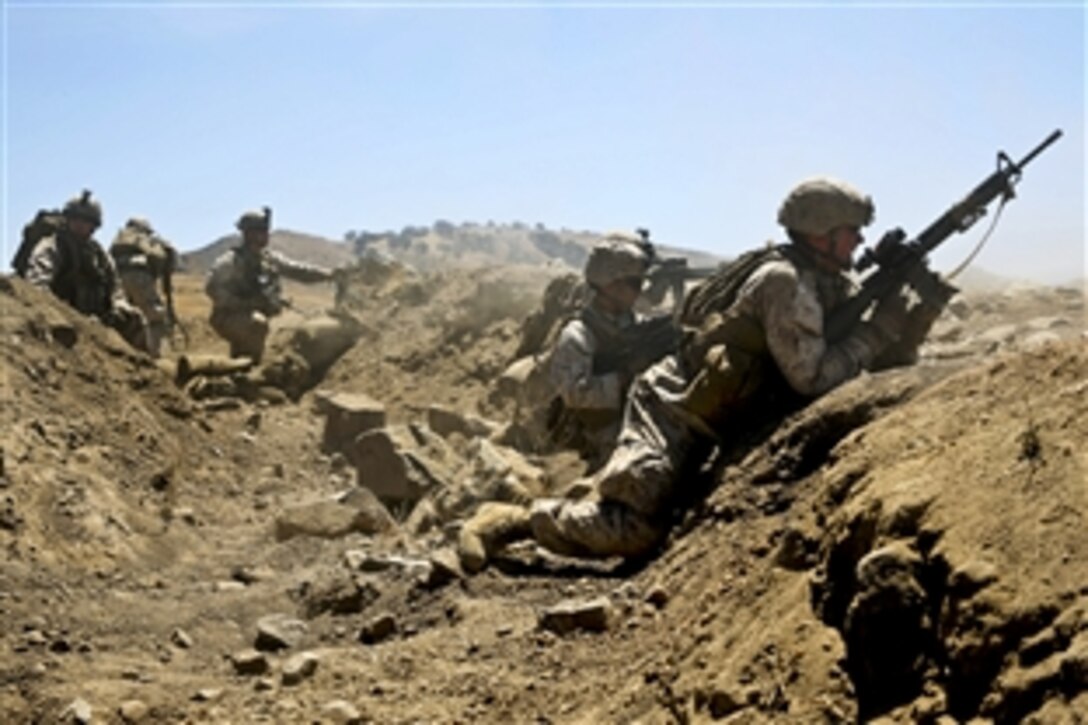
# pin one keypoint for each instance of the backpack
(46, 223)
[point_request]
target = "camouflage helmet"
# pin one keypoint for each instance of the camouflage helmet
(84, 207)
(816, 206)
(140, 224)
(259, 220)
(617, 256)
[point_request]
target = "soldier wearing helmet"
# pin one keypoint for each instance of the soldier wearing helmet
(75, 267)
(144, 262)
(244, 286)
(585, 412)
(754, 349)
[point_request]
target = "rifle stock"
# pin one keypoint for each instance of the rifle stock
(897, 261)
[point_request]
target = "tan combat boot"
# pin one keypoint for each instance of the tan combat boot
(493, 526)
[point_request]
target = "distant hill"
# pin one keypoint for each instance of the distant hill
(297, 245)
(441, 246)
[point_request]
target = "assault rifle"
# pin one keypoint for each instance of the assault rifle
(900, 262)
(667, 273)
(641, 345)
(172, 321)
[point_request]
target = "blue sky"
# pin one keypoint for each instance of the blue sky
(693, 121)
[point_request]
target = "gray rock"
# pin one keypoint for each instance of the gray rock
(330, 520)
(592, 615)
(298, 667)
(347, 415)
(77, 711)
(249, 662)
(279, 631)
(378, 629)
(133, 711)
(341, 712)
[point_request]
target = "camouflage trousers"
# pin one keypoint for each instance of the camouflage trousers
(140, 289)
(627, 511)
(245, 331)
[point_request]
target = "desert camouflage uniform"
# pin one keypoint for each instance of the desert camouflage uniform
(244, 287)
(82, 274)
(787, 299)
(143, 259)
(592, 402)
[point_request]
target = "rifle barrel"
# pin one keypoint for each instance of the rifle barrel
(1057, 134)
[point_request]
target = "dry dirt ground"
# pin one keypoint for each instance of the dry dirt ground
(912, 547)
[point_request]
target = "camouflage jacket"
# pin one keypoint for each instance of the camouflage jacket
(244, 279)
(570, 368)
(777, 317)
(135, 249)
(78, 272)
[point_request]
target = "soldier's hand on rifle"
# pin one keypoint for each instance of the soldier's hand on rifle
(890, 315)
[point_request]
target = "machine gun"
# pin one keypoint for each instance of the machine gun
(900, 262)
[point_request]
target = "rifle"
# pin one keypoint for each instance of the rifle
(667, 273)
(900, 262)
(671, 273)
(171, 316)
(641, 345)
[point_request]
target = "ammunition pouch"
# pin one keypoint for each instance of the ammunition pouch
(728, 359)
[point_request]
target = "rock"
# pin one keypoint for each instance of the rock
(347, 415)
(446, 422)
(1039, 339)
(211, 694)
(133, 710)
(340, 593)
(249, 575)
(793, 550)
(77, 711)
(445, 568)
(264, 684)
(321, 340)
(658, 597)
(971, 576)
(229, 585)
(393, 463)
(181, 639)
(279, 631)
(378, 629)
(571, 615)
(249, 662)
(363, 500)
(329, 520)
(341, 712)
(423, 519)
(298, 667)
(387, 562)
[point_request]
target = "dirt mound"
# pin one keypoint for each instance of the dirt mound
(912, 544)
(439, 338)
(879, 556)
